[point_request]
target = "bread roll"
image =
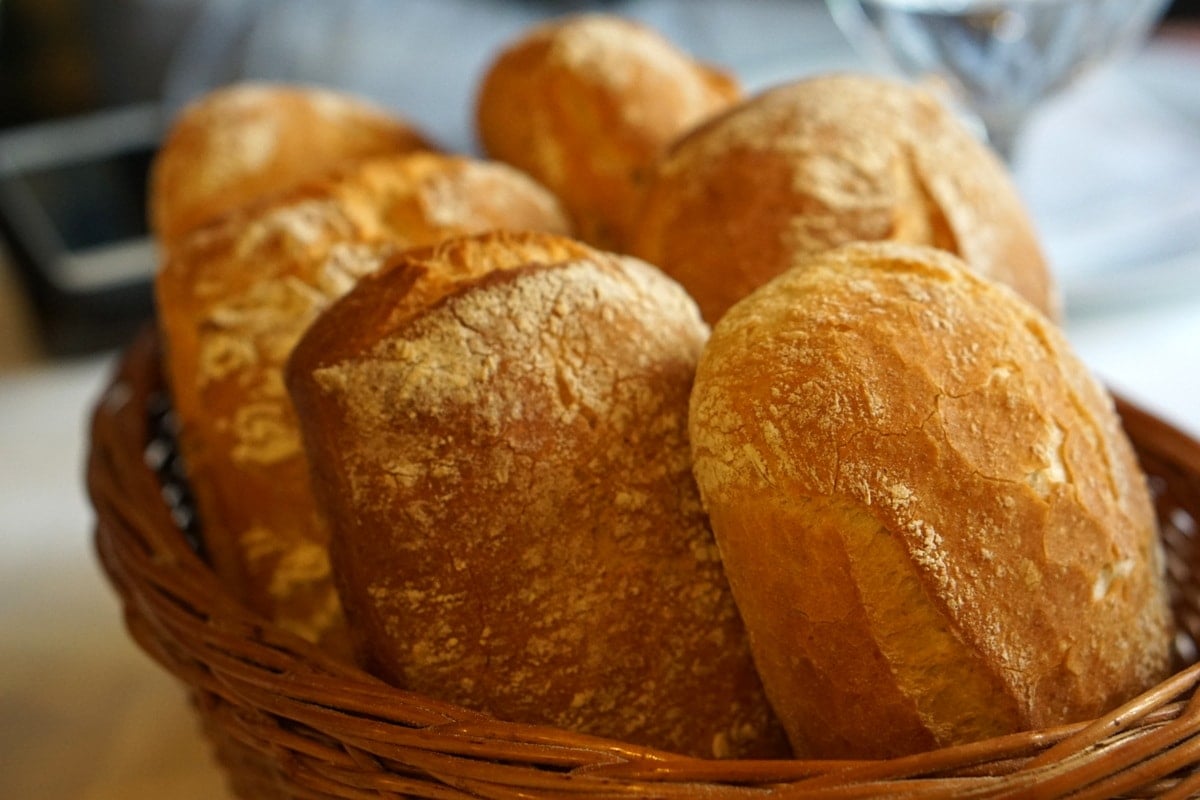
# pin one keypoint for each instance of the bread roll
(932, 522)
(823, 162)
(585, 103)
(232, 301)
(505, 465)
(240, 144)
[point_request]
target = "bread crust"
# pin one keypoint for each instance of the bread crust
(503, 457)
(933, 524)
(585, 104)
(827, 161)
(251, 141)
(233, 299)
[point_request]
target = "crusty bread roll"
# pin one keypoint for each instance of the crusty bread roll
(585, 103)
(233, 299)
(504, 462)
(932, 522)
(827, 161)
(245, 142)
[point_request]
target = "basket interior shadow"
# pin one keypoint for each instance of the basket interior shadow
(288, 721)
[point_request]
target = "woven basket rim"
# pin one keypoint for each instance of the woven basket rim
(315, 726)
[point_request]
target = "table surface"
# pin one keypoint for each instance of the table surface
(85, 715)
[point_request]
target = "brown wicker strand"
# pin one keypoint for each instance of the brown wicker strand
(1121, 718)
(1174, 756)
(1188, 787)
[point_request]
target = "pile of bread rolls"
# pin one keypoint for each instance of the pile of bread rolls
(464, 419)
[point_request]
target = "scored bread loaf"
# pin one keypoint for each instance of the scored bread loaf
(827, 161)
(933, 524)
(234, 297)
(585, 103)
(497, 426)
(243, 143)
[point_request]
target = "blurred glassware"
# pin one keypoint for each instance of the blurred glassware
(999, 58)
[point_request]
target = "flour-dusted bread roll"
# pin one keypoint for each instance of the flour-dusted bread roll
(932, 522)
(240, 144)
(232, 301)
(585, 103)
(823, 162)
(498, 430)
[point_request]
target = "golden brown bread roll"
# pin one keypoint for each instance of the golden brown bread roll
(232, 301)
(823, 162)
(585, 103)
(497, 427)
(240, 144)
(932, 522)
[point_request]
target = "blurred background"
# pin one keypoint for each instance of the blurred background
(87, 86)
(65, 57)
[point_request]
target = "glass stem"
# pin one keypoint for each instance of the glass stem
(1003, 132)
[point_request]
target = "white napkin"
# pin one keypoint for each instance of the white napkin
(1111, 173)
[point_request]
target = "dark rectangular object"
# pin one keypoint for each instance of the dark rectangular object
(73, 216)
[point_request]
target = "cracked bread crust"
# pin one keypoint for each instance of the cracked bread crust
(933, 524)
(585, 104)
(823, 162)
(232, 301)
(240, 145)
(516, 529)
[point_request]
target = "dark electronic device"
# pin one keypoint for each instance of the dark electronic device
(73, 218)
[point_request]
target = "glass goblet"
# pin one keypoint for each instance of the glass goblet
(999, 58)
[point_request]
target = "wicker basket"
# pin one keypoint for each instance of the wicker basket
(288, 721)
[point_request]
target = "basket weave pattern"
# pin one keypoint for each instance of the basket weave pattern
(287, 721)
